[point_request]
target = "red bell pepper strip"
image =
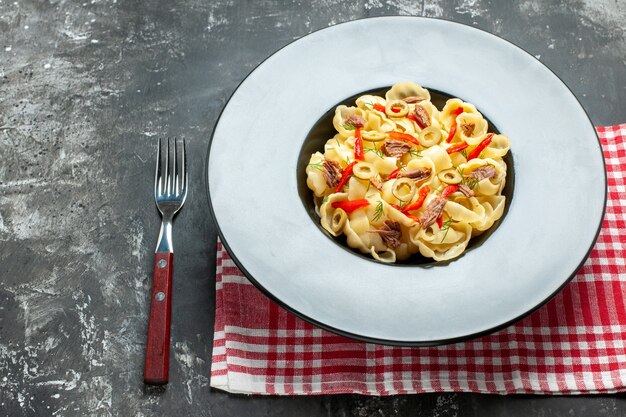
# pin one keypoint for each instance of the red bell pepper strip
(394, 174)
(455, 113)
(421, 196)
(409, 215)
(403, 136)
(457, 148)
(452, 132)
(395, 110)
(345, 175)
(412, 217)
(444, 194)
(411, 116)
(379, 107)
(350, 205)
(449, 190)
(440, 221)
(358, 145)
(482, 145)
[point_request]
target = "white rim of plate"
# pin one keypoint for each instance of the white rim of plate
(538, 247)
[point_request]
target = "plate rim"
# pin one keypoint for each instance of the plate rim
(382, 341)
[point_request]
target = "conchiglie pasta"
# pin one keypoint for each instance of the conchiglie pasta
(326, 212)
(403, 90)
(442, 247)
(494, 207)
(314, 175)
(498, 147)
(440, 158)
(446, 116)
(405, 125)
(472, 127)
(341, 121)
(365, 102)
(392, 183)
(385, 165)
(377, 121)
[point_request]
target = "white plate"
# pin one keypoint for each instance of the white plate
(552, 221)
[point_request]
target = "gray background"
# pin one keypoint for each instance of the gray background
(86, 88)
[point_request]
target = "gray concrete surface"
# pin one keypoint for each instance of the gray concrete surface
(86, 88)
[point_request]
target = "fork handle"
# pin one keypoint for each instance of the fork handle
(156, 369)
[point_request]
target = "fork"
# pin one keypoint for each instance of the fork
(170, 191)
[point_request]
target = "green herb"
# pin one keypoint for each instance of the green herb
(317, 165)
(378, 212)
(325, 199)
(470, 182)
(446, 226)
(416, 153)
(376, 151)
(337, 140)
(349, 126)
(464, 153)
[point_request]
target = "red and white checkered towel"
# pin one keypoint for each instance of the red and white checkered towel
(574, 344)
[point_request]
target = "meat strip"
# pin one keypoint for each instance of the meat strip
(376, 183)
(331, 173)
(390, 233)
(413, 99)
(395, 148)
(480, 173)
(355, 120)
(422, 115)
(468, 128)
(416, 174)
(432, 212)
(465, 190)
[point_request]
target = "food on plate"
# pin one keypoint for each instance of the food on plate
(401, 176)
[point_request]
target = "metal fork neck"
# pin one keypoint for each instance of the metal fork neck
(164, 244)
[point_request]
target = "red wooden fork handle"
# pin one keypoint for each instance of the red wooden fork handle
(157, 363)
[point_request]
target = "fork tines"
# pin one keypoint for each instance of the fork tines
(171, 168)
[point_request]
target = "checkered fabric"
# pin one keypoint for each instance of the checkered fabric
(574, 344)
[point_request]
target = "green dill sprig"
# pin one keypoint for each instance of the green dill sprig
(378, 212)
(470, 182)
(415, 153)
(317, 165)
(464, 153)
(349, 126)
(375, 151)
(446, 226)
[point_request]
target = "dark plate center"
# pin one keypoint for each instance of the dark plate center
(323, 130)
